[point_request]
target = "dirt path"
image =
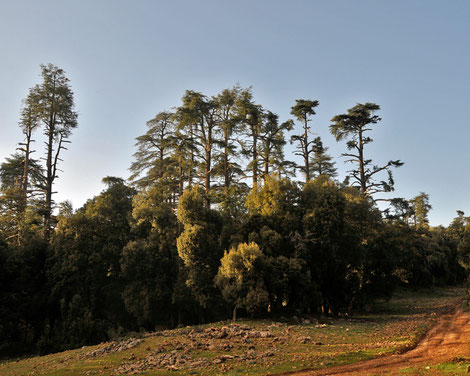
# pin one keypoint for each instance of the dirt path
(448, 340)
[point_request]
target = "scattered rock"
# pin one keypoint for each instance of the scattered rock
(305, 339)
(251, 354)
(172, 361)
(114, 347)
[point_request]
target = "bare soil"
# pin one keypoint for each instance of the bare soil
(447, 341)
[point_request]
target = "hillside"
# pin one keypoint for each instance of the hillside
(259, 347)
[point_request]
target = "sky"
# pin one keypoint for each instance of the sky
(129, 60)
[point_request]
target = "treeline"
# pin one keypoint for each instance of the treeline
(212, 224)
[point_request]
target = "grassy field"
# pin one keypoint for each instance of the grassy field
(259, 347)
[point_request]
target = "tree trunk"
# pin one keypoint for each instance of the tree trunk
(361, 165)
(306, 151)
(24, 184)
(49, 181)
(207, 182)
(266, 168)
(234, 316)
(255, 161)
(180, 317)
(226, 165)
(190, 172)
(49, 168)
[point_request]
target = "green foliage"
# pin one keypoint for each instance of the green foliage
(84, 266)
(78, 327)
(353, 126)
(305, 146)
(321, 163)
(149, 263)
(421, 207)
(19, 208)
(23, 295)
(464, 247)
(198, 245)
(275, 198)
(54, 106)
(289, 283)
(159, 156)
(229, 124)
(11, 172)
(304, 108)
(323, 239)
(272, 143)
(149, 269)
(241, 278)
(250, 115)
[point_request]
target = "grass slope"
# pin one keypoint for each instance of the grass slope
(259, 346)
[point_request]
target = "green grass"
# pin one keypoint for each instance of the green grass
(391, 326)
(443, 369)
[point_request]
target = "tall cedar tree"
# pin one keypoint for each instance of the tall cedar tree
(272, 142)
(54, 106)
(354, 125)
(229, 124)
(29, 122)
(198, 114)
(321, 163)
(154, 154)
(421, 207)
(302, 110)
(182, 158)
(250, 115)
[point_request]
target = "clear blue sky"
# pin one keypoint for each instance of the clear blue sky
(128, 60)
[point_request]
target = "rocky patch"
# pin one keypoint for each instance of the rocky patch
(114, 347)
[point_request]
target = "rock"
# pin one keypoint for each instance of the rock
(251, 354)
(222, 335)
(226, 347)
(198, 363)
(266, 334)
(227, 357)
(114, 347)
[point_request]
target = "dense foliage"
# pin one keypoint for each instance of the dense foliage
(212, 224)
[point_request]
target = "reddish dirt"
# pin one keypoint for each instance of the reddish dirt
(448, 340)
